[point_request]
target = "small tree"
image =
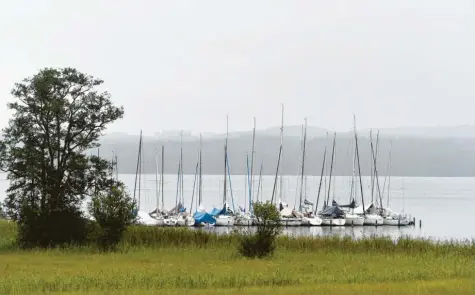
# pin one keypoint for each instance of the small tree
(113, 211)
(262, 243)
(58, 114)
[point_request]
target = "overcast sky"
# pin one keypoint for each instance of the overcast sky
(186, 64)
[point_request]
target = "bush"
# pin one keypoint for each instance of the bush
(51, 228)
(262, 243)
(113, 212)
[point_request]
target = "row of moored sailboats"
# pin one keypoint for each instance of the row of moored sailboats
(304, 213)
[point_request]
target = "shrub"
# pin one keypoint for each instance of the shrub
(113, 212)
(49, 228)
(262, 243)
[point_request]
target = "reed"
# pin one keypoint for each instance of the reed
(162, 237)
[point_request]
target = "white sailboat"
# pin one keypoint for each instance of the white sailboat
(373, 214)
(142, 217)
(305, 209)
(351, 217)
(391, 217)
(224, 217)
(288, 217)
(332, 215)
(157, 213)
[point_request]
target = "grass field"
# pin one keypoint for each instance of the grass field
(178, 261)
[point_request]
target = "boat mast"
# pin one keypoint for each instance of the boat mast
(138, 164)
(162, 176)
(280, 155)
(182, 199)
(371, 165)
(140, 167)
(225, 162)
(352, 187)
(248, 180)
(303, 165)
(251, 185)
(200, 182)
(194, 182)
(299, 168)
(260, 179)
(359, 167)
(321, 174)
(157, 183)
(331, 169)
(281, 184)
(373, 155)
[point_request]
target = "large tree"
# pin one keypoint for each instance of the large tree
(58, 114)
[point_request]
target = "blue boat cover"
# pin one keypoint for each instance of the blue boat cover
(216, 211)
(203, 217)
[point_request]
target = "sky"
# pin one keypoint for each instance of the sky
(187, 64)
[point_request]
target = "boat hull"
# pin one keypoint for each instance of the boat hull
(354, 220)
(312, 221)
(334, 221)
(373, 219)
(224, 221)
(396, 222)
(160, 221)
(170, 222)
(243, 221)
(290, 221)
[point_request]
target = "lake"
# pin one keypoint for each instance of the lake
(445, 205)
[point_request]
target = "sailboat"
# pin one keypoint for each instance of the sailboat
(350, 216)
(200, 216)
(224, 216)
(307, 217)
(244, 218)
(156, 213)
(332, 215)
(143, 217)
(183, 218)
(288, 217)
(372, 216)
(391, 217)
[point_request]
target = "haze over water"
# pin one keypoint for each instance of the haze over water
(445, 205)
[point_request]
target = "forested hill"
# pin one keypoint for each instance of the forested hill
(412, 155)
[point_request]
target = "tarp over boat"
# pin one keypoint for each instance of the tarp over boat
(333, 211)
(216, 211)
(351, 205)
(371, 209)
(203, 217)
(177, 209)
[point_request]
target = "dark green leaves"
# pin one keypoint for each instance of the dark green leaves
(58, 114)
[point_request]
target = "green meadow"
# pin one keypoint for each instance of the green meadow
(183, 261)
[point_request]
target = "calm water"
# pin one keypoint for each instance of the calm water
(445, 205)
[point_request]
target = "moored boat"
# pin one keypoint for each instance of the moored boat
(224, 220)
(354, 219)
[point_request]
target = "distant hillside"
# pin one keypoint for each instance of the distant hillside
(414, 154)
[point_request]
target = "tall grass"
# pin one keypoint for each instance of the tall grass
(160, 237)
(178, 260)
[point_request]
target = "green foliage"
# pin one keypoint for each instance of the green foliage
(262, 243)
(113, 210)
(58, 114)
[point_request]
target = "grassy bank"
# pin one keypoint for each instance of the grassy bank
(173, 261)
